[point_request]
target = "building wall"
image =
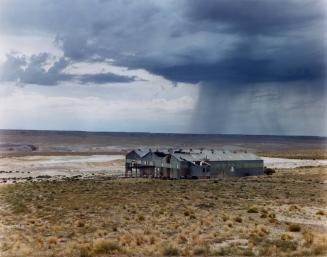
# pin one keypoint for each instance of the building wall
(173, 167)
(170, 161)
(199, 171)
(175, 173)
(147, 171)
(236, 168)
(151, 159)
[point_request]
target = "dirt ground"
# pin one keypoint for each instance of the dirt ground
(22, 168)
(280, 215)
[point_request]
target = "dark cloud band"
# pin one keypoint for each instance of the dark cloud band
(32, 71)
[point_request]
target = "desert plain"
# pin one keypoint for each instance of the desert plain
(68, 197)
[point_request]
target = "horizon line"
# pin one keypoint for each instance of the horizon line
(164, 133)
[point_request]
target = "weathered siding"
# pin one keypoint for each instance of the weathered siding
(236, 168)
(152, 159)
(173, 167)
(175, 174)
(170, 161)
(199, 171)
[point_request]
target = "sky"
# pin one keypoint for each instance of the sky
(187, 66)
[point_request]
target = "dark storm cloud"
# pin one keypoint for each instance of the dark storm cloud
(186, 41)
(278, 41)
(274, 41)
(33, 70)
(240, 66)
(102, 78)
(257, 17)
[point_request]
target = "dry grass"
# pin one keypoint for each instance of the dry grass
(294, 228)
(235, 216)
(253, 209)
(102, 246)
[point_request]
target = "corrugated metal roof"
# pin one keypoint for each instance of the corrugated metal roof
(216, 155)
(203, 154)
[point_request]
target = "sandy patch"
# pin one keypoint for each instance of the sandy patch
(27, 167)
(283, 163)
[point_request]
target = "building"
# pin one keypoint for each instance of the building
(151, 163)
(201, 163)
(133, 163)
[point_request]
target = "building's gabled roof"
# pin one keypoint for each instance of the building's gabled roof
(141, 152)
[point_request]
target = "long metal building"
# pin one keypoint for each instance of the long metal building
(202, 163)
